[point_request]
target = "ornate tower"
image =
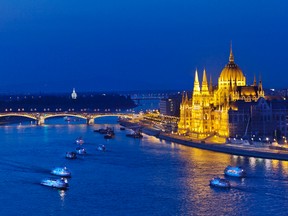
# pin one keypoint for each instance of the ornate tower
(206, 99)
(197, 110)
(185, 115)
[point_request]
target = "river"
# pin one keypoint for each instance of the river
(134, 177)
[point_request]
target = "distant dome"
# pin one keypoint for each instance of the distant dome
(74, 95)
(231, 74)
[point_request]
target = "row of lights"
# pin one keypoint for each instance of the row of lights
(59, 109)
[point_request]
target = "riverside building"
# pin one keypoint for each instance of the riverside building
(233, 108)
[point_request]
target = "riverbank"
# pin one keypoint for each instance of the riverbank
(221, 146)
(250, 151)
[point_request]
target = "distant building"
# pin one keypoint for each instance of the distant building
(170, 106)
(74, 94)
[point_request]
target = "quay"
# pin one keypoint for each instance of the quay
(233, 149)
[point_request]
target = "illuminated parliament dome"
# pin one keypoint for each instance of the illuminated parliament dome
(207, 112)
(231, 74)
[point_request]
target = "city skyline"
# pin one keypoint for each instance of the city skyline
(51, 46)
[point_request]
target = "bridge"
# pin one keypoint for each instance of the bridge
(40, 117)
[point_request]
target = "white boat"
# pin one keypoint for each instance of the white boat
(101, 148)
(79, 141)
(218, 182)
(55, 183)
(237, 141)
(135, 135)
(61, 171)
(234, 171)
(71, 155)
(80, 150)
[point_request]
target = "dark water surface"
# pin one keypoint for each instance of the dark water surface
(134, 177)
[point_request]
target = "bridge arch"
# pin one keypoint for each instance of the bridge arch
(19, 115)
(63, 115)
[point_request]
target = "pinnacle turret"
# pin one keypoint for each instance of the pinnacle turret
(231, 57)
(196, 89)
(204, 83)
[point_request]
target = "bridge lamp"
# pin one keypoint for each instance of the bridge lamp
(59, 109)
(35, 109)
(10, 109)
(6, 110)
(22, 109)
(19, 110)
(56, 109)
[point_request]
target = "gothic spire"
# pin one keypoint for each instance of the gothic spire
(183, 96)
(186, 98)
(210, 85)
(260, 87)
(196, 89)
(231, 57)
(204, 83)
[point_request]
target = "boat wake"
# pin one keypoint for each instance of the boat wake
(17, 166)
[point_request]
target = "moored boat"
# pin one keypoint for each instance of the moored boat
(61, 171)
(109, 135)
(237, 141)
(104, 130)
(71, 155)
(274, 145)
(219, 182)
(135, 135)
(234, 171)
(55, 183)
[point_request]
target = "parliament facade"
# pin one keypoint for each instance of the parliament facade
(233, 108)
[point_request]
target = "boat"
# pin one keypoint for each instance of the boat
(80, 150)
(71, 155)
(109, 135)
(104, 130)
(276, 146)
(237, 141)
(234, 171)
(79, 141)
(219, 182)
(135, 135)
(61, 171)
(101, 148)
(55, 183)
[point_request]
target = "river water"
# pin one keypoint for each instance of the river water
(134, 177)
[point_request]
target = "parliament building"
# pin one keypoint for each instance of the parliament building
(233, 108)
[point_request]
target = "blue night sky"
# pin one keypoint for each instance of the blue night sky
(92, 45)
